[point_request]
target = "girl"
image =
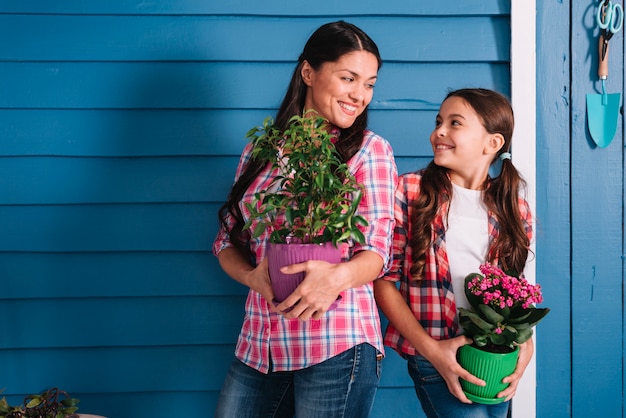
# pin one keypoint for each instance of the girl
(303, 359)
(450, 218)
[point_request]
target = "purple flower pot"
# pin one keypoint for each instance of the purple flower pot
(280, 255)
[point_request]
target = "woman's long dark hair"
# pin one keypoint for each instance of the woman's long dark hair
(500, 195)
(327, 44)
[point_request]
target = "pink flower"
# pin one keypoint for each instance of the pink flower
(500, 290)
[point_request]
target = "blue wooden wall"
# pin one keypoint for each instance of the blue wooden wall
(120, 128)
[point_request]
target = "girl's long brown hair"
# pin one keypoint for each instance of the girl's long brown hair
(501, 193)
(327, 44)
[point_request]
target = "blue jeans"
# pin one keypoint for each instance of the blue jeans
(343, 386)
(438, 402)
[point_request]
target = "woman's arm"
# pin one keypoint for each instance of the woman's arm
(239, 268)
(374, 167)
(325, 281)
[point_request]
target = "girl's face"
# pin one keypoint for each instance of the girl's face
(341, 90)
(462, 144)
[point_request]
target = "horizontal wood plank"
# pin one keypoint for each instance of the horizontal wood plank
(126, 133)
(175, 85)
(241, 38)
(120, 322)
(80, 181)
(268, 7)
(175, 132)
(59, 180)
(130, 227)
(113, 274)
(388, 402)
(117, 369)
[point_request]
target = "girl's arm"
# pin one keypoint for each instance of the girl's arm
(442, 354)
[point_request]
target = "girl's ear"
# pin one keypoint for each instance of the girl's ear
(494, 144)
(306, 72)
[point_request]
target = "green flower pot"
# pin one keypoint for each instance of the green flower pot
(490, 367)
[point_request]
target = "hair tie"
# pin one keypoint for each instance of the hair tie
(505, 156)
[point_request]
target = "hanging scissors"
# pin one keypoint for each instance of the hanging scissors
(610, 18)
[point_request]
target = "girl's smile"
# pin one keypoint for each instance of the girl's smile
(461, 143)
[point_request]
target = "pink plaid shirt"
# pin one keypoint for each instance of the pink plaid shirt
(270, 342)
(432, 299)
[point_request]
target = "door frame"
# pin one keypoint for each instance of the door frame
(523, 98)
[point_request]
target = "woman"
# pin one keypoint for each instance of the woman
(450, 218)
(298, 358)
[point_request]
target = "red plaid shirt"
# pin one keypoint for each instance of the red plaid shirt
(269, 341)
(432, 299)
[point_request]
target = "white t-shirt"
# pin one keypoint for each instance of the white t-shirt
(467, 238)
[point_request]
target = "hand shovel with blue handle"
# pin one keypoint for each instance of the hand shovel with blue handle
(603, 109)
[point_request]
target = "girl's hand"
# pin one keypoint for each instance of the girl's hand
(525, 354)
(442, 356)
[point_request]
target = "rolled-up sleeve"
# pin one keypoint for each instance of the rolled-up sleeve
(375, 168)
(399, 249)
(222, 240)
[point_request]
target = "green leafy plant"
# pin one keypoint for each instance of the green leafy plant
(314, 198)
(503, 308)
(53, 403)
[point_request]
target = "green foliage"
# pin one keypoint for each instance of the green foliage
(314, 199)
(53, 403)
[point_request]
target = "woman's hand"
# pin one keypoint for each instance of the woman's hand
(239, 268)
(323, 282)
(258, 280)
(442, 355)
(525, 354)
(316, 293)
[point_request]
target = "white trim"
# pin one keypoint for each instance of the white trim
(523, 97)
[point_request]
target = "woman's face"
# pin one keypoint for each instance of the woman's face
(341, 90)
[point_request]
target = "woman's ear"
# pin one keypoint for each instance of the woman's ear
(306, 72)
(494, 144)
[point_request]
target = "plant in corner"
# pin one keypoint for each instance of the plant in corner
(53, 403)
(312, 201)
(502, 317)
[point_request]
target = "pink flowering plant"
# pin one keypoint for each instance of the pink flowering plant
(503, 308)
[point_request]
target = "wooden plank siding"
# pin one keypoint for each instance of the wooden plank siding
(121, 124)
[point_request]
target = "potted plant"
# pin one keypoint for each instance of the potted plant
(501, 317)
(310, 207)
(53, 403)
